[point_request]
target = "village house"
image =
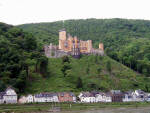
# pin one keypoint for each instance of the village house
(39, 98)
(108, 97)
(147, 97)
(139, 95)
(22, 100)
(116, 95)
(87, 97)
(66, 97)
(103, 97)
(46, 97)
(30, 98)
(128, 96)
(10, 96)
(26, 99)
(92, 97)
(100, 97)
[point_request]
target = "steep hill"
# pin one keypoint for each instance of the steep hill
(88, 73)
(23, 66)
(126, 41)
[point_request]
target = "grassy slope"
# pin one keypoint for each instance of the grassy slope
(121, 77)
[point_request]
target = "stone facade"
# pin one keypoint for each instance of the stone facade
(52, 51)
(66, 97)
(69, 45)
(46, 97)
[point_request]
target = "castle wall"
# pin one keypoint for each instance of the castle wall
(52, 51)
(71, 46)
(97, 52)
(85, 46)
(89, 46)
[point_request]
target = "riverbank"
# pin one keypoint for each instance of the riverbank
(44, 107)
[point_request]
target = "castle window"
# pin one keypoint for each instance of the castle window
(66, 44)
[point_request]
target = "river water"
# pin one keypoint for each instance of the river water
(115, 110)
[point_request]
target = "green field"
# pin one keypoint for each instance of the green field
(44, 107)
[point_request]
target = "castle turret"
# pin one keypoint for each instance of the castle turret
(62, 34)
(89, 46)
(62, 37)
(101, 46)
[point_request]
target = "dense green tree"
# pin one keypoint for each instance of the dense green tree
(99, 70)
(44, 66)
(66, 66)
(79, 83)
(19, 55)
(108, 66)
(65, 59)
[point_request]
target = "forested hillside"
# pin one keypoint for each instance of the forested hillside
(127, 41)
(23, 66)
(20, 58)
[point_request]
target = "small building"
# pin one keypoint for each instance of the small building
(108, 97)
(99, 97)
(140, 95)
(87, 97)
(116, 95)
(22, 100)
(39, 98)
(10, 96)
(103, 97)
(128, 96)
(66, 97)
(147, 97)
(46, 97)
(30, 98)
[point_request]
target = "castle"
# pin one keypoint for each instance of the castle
(69, 45)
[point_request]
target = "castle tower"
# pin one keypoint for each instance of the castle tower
(70, 42)
(89, 48)
(62, 38)
(101, 46)
(75, 48)
(76, 41)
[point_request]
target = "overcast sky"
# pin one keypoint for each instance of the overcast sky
(32, 11)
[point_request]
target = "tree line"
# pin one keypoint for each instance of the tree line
(20, 58)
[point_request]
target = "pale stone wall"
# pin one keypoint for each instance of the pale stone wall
(52, 51)
(97, 52)
(86, 46)
(89, 46)
(62, 37)
(69, 45)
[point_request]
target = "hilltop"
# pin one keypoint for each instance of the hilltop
(126, 41)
